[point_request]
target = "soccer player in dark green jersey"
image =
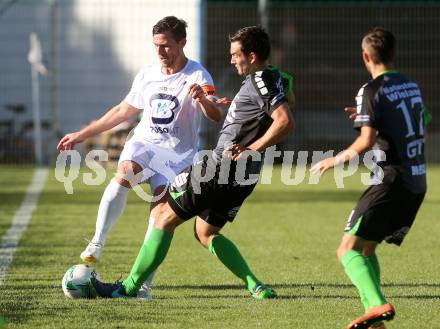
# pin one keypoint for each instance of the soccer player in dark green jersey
(390, 115)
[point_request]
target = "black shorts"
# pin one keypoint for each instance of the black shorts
(385, 212)
(218, 200)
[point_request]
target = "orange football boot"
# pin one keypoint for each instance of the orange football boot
(374, 314)
(379, 326)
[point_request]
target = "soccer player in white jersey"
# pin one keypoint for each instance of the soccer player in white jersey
(164, 142)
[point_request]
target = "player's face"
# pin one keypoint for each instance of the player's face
(167, 49)
(239, 59)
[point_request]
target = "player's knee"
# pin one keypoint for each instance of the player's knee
(342, 249)
(165, 224)
(369, 250)
(204, 231)
(128, 174)
(203, 238)
(196, 235)
(158, 209)
(166, 219)
(120, 176)
(122, 181)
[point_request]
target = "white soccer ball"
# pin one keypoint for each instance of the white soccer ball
(76, 284)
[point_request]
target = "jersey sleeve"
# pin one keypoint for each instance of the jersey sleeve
(427, 116)
(269, 86)
(287, 82)
(365, 108)
(207, 84)
(135, 96)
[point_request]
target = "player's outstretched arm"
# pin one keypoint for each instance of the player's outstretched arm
(208, 103)
(112, 118)
(361, 144)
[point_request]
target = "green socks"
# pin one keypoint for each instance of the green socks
(151, 255)
(364, 272)
(230, 256)
(374, 262)
(156, 247)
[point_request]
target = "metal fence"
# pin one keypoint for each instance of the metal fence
(94, 53)
(319, 44)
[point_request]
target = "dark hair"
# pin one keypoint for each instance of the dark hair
(177, 27)
(380, 45)
(253, 39)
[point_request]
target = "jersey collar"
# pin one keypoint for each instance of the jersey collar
(387, 72)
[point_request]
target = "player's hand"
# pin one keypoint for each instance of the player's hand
(224, 101)
(196, 92)
(235, 151)
(322, 166)
(69, 141)
(352, 113)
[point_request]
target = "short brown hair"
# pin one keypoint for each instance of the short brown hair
(380, 44)
(177, 27)
(253, 39)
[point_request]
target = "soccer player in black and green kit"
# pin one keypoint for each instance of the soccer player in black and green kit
(258, 117)
(390, 116)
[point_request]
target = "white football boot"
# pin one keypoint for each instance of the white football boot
(145, 292)
(92, 253)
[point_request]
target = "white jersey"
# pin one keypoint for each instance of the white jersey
(171, 116)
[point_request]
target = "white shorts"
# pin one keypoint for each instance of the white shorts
(160, 165)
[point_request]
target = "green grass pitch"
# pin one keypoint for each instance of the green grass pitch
(288, 234)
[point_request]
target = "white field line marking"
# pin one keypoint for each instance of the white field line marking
(19, 224)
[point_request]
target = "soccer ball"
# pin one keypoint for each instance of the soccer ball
(76, 284)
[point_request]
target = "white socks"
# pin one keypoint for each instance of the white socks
(149, 281)
(111, 207)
